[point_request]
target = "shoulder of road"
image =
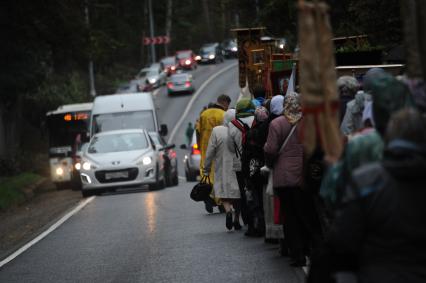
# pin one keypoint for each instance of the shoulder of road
(28, 205)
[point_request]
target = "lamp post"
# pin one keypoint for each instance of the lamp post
(151, 29)
(91, 68)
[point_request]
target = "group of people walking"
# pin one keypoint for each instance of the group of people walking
(361, 214)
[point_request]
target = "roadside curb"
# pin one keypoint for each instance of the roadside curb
(30, 191)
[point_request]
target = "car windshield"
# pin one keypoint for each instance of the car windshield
(117, 143)
(156, 139)
(180, 78)
(183, 55)
(127, 88)
(169, 61)
(210, 49)
(124, 120)
(147, 73)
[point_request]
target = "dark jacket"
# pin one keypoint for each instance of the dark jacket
(383, 224)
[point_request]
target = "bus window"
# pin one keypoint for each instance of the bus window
(63, 132)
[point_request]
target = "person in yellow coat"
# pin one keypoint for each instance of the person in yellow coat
(210, 118)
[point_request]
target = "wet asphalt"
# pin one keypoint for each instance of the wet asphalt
(136, 235)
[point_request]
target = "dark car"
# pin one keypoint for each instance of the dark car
(180, 83)
(211, 53)
(186, 60)
(169, 158)
(169, 65)
(230, 48)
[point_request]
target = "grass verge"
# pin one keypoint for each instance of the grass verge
(11, 188)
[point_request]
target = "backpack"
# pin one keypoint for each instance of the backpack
(251, 156)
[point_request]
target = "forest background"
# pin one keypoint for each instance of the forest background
(47, 45)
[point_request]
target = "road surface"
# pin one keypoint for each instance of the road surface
(154, 236)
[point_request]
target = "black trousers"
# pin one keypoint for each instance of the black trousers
(242, 203)
(255, 205)
(296, 220)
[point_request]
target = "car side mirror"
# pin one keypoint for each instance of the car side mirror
(170, 146)
(183, 146)
(163, 130)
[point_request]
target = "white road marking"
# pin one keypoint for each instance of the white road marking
(156, 92)
(52, 228)
(182, 178)
(194, 97)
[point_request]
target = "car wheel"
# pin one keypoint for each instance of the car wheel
(87, 193)
(168, 178)
(175, 180)
(61, 186)
(191, 177)
(159, 184)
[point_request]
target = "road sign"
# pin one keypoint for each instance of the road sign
(157, 40)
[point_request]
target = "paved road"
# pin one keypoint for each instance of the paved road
(153, 236)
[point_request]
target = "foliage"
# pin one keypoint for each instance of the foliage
(11, 188)
(47, 44)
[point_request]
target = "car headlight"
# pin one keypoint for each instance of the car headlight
(77, 166)
(146, 160)
(235, 49)
(152, 80)
(188, 62)
(86, 166)
(173, 68)
(198, 57)
(59, 171)
(211, 56)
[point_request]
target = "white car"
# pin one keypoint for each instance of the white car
(154, 75)
(119, 159)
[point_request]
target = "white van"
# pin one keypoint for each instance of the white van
(125, 111)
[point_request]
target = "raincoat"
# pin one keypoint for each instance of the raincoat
(225, 180)
(209, 119)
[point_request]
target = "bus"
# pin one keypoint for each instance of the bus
(68, 129)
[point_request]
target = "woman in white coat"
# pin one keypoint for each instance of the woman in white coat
(225, 181)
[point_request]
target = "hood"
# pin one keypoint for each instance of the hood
(123, 157)
(150, 77)
(405, 160)
(277, 105)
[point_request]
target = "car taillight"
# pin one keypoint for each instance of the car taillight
(170, 85)
(195, 150)
(187, 84)
(172, 154)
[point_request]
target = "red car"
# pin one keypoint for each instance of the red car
(186, 60)
(169, 64)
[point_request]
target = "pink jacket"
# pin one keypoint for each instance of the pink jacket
(288, 166)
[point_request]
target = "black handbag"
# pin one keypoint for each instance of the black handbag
(202, 190)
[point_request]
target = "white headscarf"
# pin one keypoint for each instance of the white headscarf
(277, 105)
(229, 116)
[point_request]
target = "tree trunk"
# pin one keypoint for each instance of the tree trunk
(223, 17)
(421, 9)
(2, 135)
(168, 23)
(411, 38)
(207, 17)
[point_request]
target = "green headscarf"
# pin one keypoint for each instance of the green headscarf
(245, 108)
(389, 96)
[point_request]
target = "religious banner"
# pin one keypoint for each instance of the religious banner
(318, 80)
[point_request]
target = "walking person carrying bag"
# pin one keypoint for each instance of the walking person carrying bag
(284, 153)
